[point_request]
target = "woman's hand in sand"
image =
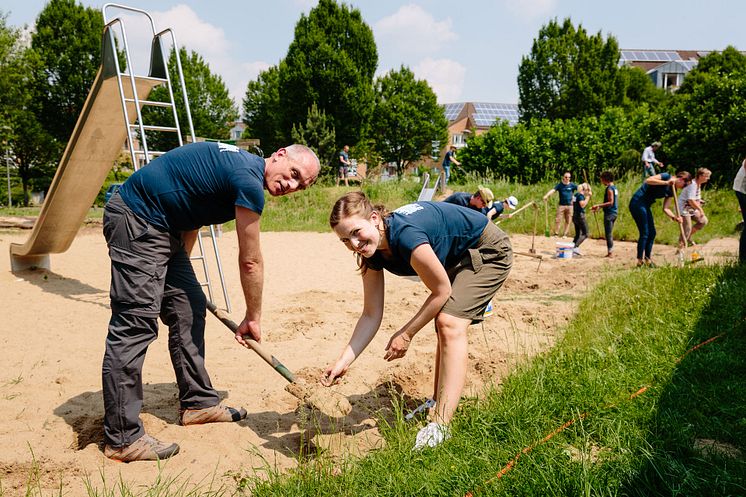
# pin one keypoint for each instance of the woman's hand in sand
(334, 373)
(397, 346)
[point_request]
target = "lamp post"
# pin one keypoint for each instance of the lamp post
(6, 142)
(8, 160)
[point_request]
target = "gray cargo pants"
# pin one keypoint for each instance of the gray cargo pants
(151, 275)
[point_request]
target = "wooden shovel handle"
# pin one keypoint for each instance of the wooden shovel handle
(255, 346)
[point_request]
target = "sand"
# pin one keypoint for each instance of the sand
(52, 338)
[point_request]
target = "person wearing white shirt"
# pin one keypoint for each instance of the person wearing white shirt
(690, 207)
(739, 185)
(648, 159)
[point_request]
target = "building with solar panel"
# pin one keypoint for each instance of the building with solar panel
(478, 117)
(667, 68)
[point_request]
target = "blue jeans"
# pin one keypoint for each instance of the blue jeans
(648, 168)
(643, 216)
(447, 171)
(609, 220)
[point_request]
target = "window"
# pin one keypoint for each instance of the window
(458, 140)
(671, 81)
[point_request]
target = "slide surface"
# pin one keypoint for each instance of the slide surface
(96, 142)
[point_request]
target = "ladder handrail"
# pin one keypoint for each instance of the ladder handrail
(109, 25)
(181, 81)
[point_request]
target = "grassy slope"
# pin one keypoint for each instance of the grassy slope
(309, 210)
(630, 333)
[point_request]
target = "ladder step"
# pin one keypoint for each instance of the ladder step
(154, 128)
(142, 152)
(146, 78)
(150, 102)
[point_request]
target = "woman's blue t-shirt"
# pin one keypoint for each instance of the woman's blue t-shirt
(613, 208)
(449, 229)
(647, 194)
(577, 209)
(196, 185)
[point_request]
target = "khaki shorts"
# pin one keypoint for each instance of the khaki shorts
(479, 275)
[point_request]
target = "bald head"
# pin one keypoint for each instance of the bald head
(290, 169)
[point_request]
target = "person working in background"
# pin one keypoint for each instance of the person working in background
(690, 207)
(649, 162)
(344, 165)
(565, 188)
(610, 207)
(449, 159)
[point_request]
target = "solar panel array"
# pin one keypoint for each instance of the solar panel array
(649, 55)
(688, 64)
(453, 110)
(486, 114)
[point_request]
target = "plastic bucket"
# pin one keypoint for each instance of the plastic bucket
(564, 250)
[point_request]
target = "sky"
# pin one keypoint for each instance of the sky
(468, 50)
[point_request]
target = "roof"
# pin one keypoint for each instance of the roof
(481, 114)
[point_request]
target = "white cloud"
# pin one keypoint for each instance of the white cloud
(411, 29)
(530, 9)
(195, 34)
(445, 76)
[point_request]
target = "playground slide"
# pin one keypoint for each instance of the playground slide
(95, 144)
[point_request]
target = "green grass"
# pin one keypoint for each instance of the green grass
(309, 210)
(629, 333)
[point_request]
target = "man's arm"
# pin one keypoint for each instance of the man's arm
(251, 270)
(548, 194)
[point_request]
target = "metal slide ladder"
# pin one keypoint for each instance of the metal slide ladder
(128, 95)
(428, 193)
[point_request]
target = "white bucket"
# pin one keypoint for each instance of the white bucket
(564, 250)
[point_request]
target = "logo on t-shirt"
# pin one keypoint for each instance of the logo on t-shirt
(226, 147)
(409, 209)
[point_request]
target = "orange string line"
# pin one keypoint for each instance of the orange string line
(582, 416)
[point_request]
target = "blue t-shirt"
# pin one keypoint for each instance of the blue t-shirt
(463, 199)
(613, 208)
(565, 192)
(577, 209)
(346, 156)
(499, 208)
(447, 159)
(196, 185)
(647, 194)
(449, 229)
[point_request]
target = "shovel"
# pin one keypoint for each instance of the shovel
(319, 398)
(546, 220)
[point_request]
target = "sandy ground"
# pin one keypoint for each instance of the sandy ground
(54, 323)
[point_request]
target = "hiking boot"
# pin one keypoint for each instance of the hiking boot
(145, 448)
(214, 414)
(431, 435)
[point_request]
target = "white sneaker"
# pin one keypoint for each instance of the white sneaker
(431, 435)
(576, 251)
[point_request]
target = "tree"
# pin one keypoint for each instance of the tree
(318, 134)
(406, 118)
(67, 40)
(211, 106)
(717, 64)
(705, 125)
(639, 89)
(569, 74)
(34, 149)
(262, 110)
(331, 62)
